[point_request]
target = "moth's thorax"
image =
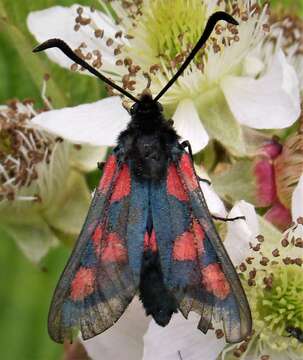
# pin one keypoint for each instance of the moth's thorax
(150, 157)
(147, 140)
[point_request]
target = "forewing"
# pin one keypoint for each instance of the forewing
(100, 279)
(195, 265)
(223, 295)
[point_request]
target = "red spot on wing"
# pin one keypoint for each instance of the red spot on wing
(150, 242)
(199, 236)
(189, 244)
(97, 236)
(123, 184)
(109, 170)
(174, 184)
(184, 247)
(187, 169)
(113, 249)
(82, 284)
(215, 281)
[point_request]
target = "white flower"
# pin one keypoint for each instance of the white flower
(225, 86)
(287, 34)
(43, 196)
(180, 339)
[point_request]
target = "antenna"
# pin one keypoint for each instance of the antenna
(60, 44)
(211, 23)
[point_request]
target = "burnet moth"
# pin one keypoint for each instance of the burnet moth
(148, 232)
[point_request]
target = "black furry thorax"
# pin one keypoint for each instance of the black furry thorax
(148, 140)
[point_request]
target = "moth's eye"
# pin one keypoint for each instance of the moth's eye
(134, 109)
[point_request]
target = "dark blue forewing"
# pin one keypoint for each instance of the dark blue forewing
(195, 265)
(102, 274)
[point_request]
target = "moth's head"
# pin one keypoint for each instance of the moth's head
(146, 105)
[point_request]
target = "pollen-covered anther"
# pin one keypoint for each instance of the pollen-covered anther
(117, 51)
(133, 69)
(109, 42)
(249, 260)
(82, 20)
(128, 83)
(22, 149)
(284, 242)
(154, 69)
(219, 333)
(252, 274)
(268, 282)
(287, 260)
(99, 33)
(264, 261)
(257, 247)
(97, 63)
(119, 62)
(242, 267)
(118, 34)
(251, 282)
(299, 243)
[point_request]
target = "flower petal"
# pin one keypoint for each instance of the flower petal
(214, 203)
(273, 101)
(86, 158)
(188, 125)
(97, 124)
(181, 339)
(124, 340)
(67, 212)
(34, 239)
(59, 22)
(220, 122)
(240, 233)
(297, 201)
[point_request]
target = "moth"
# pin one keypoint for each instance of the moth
(148, 232)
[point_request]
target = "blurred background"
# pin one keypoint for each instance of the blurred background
(26, 287)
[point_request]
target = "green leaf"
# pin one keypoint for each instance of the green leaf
(32, 63)
(220, 122)
(25, 294)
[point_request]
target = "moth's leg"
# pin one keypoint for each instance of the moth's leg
(228, 219)
(179, 355)
(186, 144)
(204, 180)
(101, 165)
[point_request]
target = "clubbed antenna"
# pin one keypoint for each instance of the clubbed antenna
(212, 21)
(60, 44)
